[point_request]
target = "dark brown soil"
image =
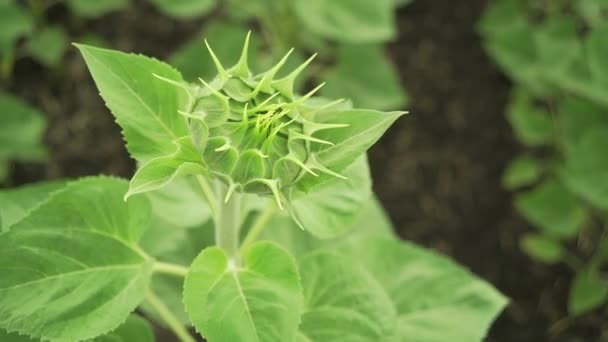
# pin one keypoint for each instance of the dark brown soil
(437, 171)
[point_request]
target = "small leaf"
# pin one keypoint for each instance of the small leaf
(343, 301)
(588, 291)
(144, 106)
(436, 299)
(552, 208)
(353, 21)
(48, 45)
(557, 43)
(158, 172)
(258, 301)
(72, 269)
(542, 248)
(578, 117)
(364, 128)
(532, 126)
(95, 9)
(365, 74)
(185, 9)
(135, 329)
(17, 203)
(522, 171)
(330, 209)
(21, 130)
(14, 23)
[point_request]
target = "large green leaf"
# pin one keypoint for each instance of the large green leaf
(436, 299)
(14, 22)
(260, 300)
(145, 107)
(21, 130)
(343, 301)
(330, 209)
(185, 9)
(364, 128)
(553, 209)
(94, 9)
(159, 172)
(354, 21)
(135, 329)
(586, 165)
(16, 203)
(365, 75)
(72, 269)
(48, 45)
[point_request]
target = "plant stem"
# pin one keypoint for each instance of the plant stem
(228, 222)
(258, 227)
(209, 195)
(168, 317)
(172, 269)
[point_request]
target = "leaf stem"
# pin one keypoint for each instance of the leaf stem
(168, 317)
(209, 195)
(228, 222)
(258, 227)
(171, 269)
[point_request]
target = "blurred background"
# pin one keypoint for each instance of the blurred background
(501, 164)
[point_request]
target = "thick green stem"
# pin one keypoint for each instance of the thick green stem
(171, 269)
(258, 227)
(228, 222)
(168, 317)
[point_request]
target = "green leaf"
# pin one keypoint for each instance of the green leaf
(578, 117)
(597, 54)
(365, 127)
(353, 21)
(436, 299)
(135, 329)
(552, 208)
(95, 9)
(14, 23)
(330, 209)
(258, 301)
(72, 269)
(522, 171)
(588, 291)
(14, 337)
(21, 130)
(366, 75)
(48, 45)
(343, 301)
(144, 106)
(17, 203)
(532, 125)
(585, 170)
(226, 39)
(185, 9)
(557, 43)
(158, 172)
(542, 248)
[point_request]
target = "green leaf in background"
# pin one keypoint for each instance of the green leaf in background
(17, 203)
(542, 248)
(97, 8)
(14, 23)
(592, 10)
(351, 21)
(72, 269)
(144, 106)
(552, 208)
(193, 60)
(436, 299)
(14, 337)
(48, 45)
(365, 75)
(577, 117)
(501, 17)
(21, 130)
(557, 44)
(260, 300)
(185, 9)
(522, 171)
(586, 167)
(343, 301)
(597, 55)
(135, 329)
(588, 291)
(364, 128)
(532, 125)
(330, 209)
(158, 172)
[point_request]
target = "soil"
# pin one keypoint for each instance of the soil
(437, 171)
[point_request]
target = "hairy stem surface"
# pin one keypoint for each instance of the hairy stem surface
(171, 269)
